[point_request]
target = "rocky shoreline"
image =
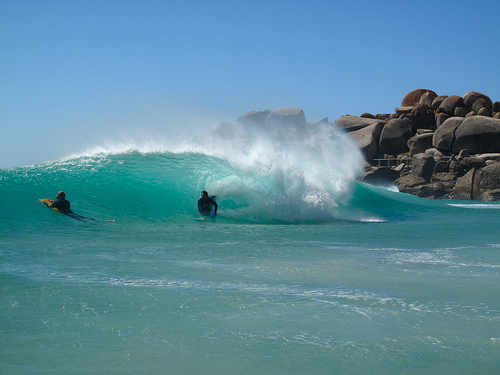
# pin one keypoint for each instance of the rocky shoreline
(441, 147)
(435, 147)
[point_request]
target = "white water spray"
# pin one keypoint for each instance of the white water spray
(289, 172)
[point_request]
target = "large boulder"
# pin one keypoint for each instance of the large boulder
(445, 134)
(253, 118)
(471, 97)
(383, 116)
(484, 111)
(490, 157)
(367, 139)
(477, 134)
(489, 176)
(394, 137)
(487, 187)
(461, 111)
(424, 117)
(480, 103)
(287, 117)
(403, 110)
(413, 97)
(464, 187)
(410, 183)
(490, 196)
(427, 98)
(461, 165)
(478, 183)
(440, 118)
(450, 103)
(380, 176)
(419, 143)
(423, 166)
(352, 123)
(437, 101)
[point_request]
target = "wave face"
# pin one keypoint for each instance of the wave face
(257, 175)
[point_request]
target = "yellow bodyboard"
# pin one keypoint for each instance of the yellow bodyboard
(48, 202)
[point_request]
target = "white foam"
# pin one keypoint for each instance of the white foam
(480, 206)
(302, 173)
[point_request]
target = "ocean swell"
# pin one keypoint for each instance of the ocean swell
(257, 175)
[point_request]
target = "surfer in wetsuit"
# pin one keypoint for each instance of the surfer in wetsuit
(205, 204)
(61, 203)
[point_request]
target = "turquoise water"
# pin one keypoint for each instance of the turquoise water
(304, 271)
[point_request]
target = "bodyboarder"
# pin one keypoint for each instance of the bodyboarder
(205, 204)
(61, 203)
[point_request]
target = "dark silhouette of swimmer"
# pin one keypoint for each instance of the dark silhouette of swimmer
(63, 206)
(205, 204)
(61, 203)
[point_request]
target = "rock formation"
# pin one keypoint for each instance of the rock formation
(440, 146)
(436, 147)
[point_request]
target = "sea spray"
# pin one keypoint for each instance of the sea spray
(285, 172)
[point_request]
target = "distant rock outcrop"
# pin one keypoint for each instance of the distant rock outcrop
(287, 116)
(436, 147)
(253, 117)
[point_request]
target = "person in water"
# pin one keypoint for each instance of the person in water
(205, 204)
(61, 203)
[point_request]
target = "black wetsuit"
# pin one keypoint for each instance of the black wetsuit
(62, 205)
(204, 206)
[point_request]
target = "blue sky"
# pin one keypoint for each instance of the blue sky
(78, 74)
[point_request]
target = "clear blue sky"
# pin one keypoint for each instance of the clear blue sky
(75, 74)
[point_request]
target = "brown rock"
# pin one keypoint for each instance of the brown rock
(382, 116)
(403, 110)
(480, 103)
(394, 137)
(472, 96)
(409, 183)
(413, 97)
(352, 123)
(415, 185)
(440, 118)
(450, 103)
(461, 111)
(366, 115)
(445, 134)
(428, 97)
(437, 101)
(490, 176)
(484, 111)
(419, 143)
(420, 109)
(464, 187)
(367, 139)
(423, 166)
(478, 134)
(380, 176)
(489, 196)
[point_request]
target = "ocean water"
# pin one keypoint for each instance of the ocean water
(304, 270)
